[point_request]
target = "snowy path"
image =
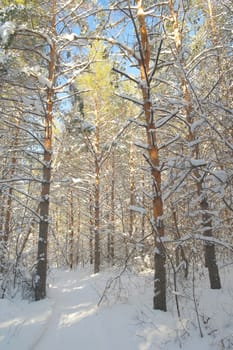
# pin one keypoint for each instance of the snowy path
(70, 319)
(76, 320)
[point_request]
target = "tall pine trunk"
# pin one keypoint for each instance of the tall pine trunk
(97, 191)
(159, 299)
(91, 257)
(97, 220)
(112, 252)
(131, 189)
(71, 231)
(41, 268)
(209, 248)
(10, 192)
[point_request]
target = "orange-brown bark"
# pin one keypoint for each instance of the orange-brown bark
(153, 155)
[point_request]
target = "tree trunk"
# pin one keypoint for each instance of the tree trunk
(2, 241)
(97, 220)
(143, 219)
(41, 268)
(112, 210)
(209, 247)
(91, 257)
(180, 250)
(71, 231)
(78, 250)
(159, 300)
(6, 222)
(97, 191)
(206, 218)
(111, 215)
(131, 189)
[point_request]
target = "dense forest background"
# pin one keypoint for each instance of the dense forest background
(115, 140)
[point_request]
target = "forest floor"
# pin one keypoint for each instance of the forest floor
(70, 317)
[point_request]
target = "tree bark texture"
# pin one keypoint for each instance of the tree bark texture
(112, 252)
(159, 300)
(41, 268)
(97, 220)
(91, 229)
(209, 248)
(71, 231)
(97, 191)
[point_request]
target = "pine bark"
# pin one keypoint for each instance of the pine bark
(111, 217)
(209, 248)
(97, 191)
(91, 255)
(131, 189)
(97, 220)
(41, 268)
(159, 299)
(71, 231)
(10, 193)
(112, 250)
(78, 250)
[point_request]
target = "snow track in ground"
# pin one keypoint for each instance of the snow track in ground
(70, 318)
(76, 320)
(22, 323)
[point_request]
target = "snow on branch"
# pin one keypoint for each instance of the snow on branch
(141, 145)
(137, 209)
(164, 120)
(126, 75)
(112, 41)
(169, 142)
(7, 29)
(206, 239)
(197, 162)
(131, 99)
(12, 125)
(115, 138)
(26, 207)
(20, 179)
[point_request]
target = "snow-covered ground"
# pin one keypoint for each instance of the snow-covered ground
(70, 318)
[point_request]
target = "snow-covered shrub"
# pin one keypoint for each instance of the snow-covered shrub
(16, 281)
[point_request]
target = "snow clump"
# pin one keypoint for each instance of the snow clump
(6, 30)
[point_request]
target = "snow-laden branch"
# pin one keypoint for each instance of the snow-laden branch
(39, 33)
(164, 120)
(169, 142)
(126, 75)
(130, 98)
(206, 239)
(12, 125)
(202, 56)
(111, 41)
(117, 136)
(21, 179)
(26, 207)
(26, 194)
